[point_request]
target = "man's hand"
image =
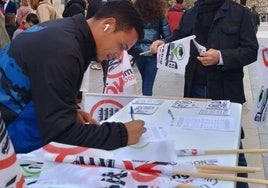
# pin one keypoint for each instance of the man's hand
(210, 57)
(135, 129)
(84, 118)
(154, 46)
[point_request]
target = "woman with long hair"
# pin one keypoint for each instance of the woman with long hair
(155, 27)
(44, 10)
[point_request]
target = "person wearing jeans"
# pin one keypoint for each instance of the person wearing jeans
(155, 27)
(147, 68)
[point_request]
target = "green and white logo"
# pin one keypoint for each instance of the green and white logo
(179, 51)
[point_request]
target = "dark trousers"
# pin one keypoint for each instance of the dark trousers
(200, 91)
(242, 162)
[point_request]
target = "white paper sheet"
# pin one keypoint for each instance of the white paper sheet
(215, 123)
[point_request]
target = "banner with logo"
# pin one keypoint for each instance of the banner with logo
(174, 56)
(120, 89)
(74, 166)
(103, 106)
(10, 171)
(120, 76)
(261, 97)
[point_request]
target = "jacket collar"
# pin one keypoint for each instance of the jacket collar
(222, 10)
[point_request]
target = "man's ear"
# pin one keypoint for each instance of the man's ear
(109, 24)
(106, 27)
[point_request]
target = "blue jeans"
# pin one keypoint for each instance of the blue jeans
(148, 70)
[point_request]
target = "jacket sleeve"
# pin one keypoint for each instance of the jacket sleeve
(107, 136)
(165, 29)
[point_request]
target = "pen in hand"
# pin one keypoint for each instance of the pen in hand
(132, 112)
(170, 113)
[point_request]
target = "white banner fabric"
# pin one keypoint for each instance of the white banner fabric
(174, 56)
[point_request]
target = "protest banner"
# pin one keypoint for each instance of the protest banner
(174, 56)
(100, 168)
(10, 171)
(102, 106)
(261, 96)
(120, 77)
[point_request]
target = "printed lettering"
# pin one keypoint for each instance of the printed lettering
(112, 177)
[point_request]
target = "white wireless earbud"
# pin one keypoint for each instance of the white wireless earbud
(106, 27)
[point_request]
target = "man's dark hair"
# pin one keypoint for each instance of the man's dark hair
(127, 17)
(179, 1)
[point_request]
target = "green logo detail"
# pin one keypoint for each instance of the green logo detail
(178, 52)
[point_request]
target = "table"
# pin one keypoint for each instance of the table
(186, 139)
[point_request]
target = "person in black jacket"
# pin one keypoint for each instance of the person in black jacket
(74, 7)
(225, 29)
(155, 27)
(10, 7)
(39, 84)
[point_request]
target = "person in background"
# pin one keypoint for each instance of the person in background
(10, 7)
(264, 18)
(30, 20)
(155, 27)
(22, 12)
(255, 18)
(93, 6)
(174, 14)
(44, 10)
(4, 38)
(38, 97)
(2, 4)
(74, 7)
(11, 26)
(225, 29)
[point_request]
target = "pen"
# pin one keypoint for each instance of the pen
(170, 113)
(145, 52)
(132, 112)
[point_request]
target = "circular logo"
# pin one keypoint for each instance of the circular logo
(265, 56)
(179, 52)
(105, 109)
